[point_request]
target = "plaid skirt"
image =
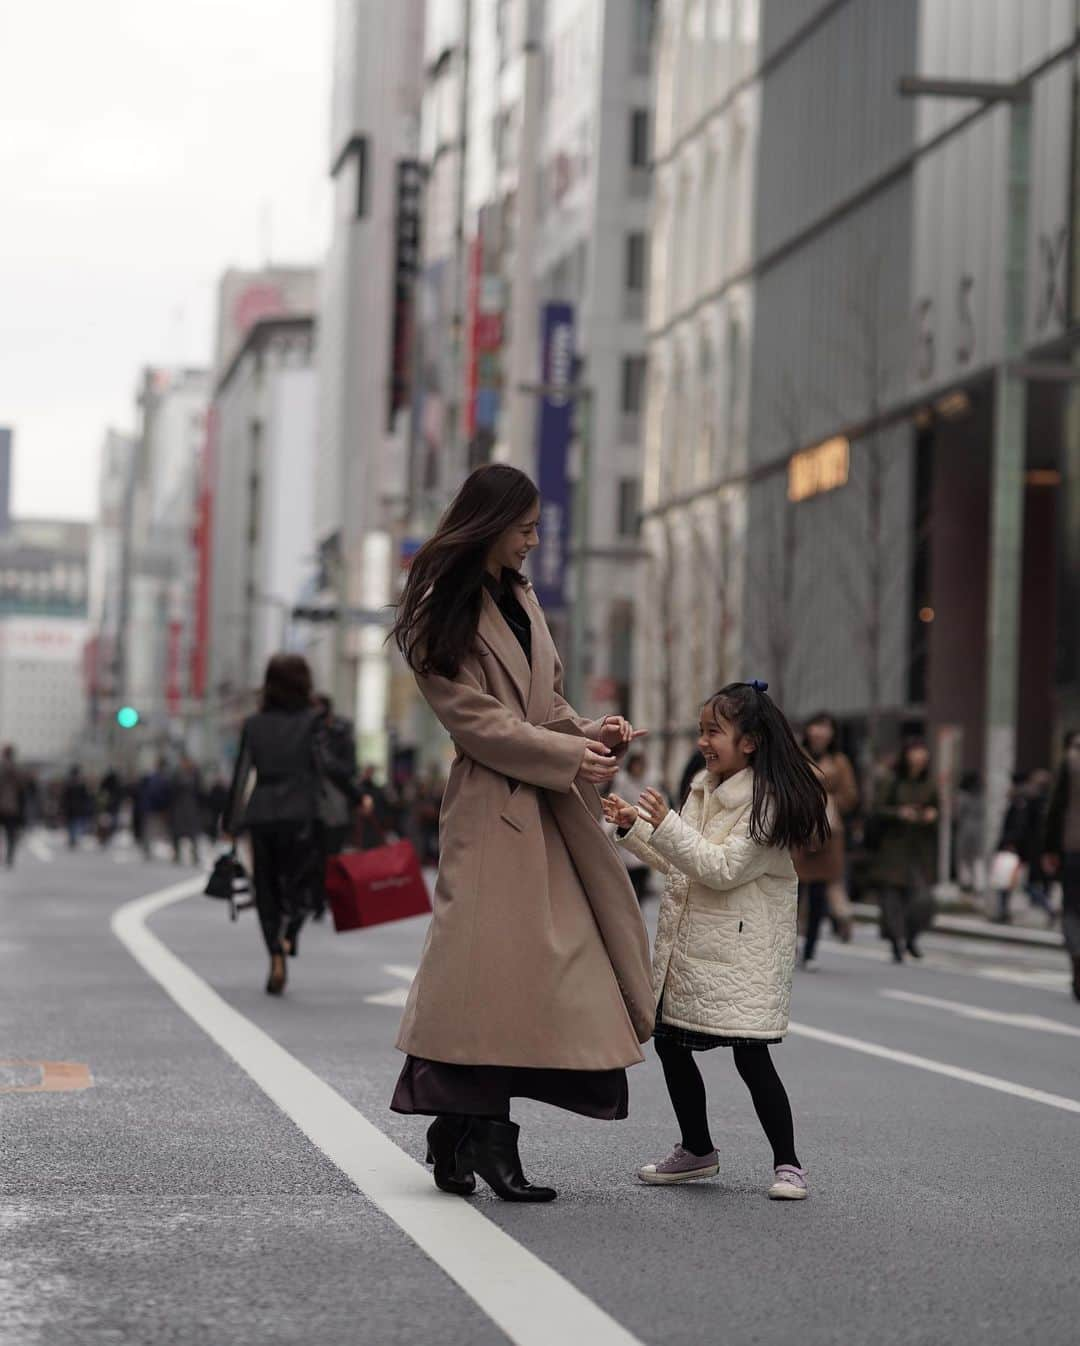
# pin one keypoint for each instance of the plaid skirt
(690, 1040)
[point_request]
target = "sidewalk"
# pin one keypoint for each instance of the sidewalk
(1026, 927)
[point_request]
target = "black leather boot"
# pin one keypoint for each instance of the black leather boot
(444, 1138)
(491, 1149)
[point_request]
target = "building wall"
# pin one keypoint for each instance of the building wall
(263, 524)
(362, 447)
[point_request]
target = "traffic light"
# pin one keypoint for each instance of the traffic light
(127, 717)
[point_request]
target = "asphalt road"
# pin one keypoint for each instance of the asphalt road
(174, 1201)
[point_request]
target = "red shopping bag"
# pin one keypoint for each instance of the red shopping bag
(371, 887)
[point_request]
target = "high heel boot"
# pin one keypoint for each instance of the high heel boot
(444, 1138)
(490, 1148)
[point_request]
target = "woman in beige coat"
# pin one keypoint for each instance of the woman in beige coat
(534, 980)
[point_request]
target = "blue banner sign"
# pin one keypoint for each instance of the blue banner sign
(554, 432)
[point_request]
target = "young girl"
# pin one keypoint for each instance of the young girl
(725, 943)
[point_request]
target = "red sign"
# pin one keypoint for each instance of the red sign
(472, 363)
(173, 690)
(202, 540)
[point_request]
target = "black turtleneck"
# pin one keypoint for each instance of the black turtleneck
(504, 592)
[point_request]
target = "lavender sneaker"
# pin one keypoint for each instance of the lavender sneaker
(789, 1184)
(681, 1166)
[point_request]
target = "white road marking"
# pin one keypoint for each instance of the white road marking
(1043, 978)
(939, 1068)
(524, 1297)
(39, 847)
(398, 997)
(1034, 1021)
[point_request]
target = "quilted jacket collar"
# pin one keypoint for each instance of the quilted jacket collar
(734, 793)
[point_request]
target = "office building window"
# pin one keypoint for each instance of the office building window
(635, 261)
(629, 507)
(633, 384)
(639, 138)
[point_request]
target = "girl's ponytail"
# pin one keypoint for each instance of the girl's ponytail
(789, 806)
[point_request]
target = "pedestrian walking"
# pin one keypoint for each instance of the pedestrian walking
(153, 801)
(214, 802)
(1037, 886)
(1061, 855)
(338, 802)
(13, 800)
(110, 799)
(534, 979)
(1005, 872)
(76, 805)
(281, 745)
(186, 810)
(726, 935)
(968, 842)
(822, 872)
(903, 860)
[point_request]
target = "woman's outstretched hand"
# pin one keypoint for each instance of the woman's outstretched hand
(598, 765)
(616, 732)
(618, 811)
(653, 807)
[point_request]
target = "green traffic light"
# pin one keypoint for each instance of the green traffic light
(127, 717)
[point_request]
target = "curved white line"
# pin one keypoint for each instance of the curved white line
(527, 1299)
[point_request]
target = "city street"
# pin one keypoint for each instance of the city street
(233, 1175)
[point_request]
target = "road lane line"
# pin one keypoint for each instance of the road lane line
(528, 1300)
(938, 1068)
(1033, 1021)
(39, 848)
(1042, 979)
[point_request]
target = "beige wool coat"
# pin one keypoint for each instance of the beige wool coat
(725, 937)
(536, 954)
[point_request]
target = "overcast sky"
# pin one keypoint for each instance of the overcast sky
(145, 145)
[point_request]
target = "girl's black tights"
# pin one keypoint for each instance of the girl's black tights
(687, 1090)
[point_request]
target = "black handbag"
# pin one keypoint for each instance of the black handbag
(229, 882)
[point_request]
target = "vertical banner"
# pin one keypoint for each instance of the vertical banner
(410, 186)
(554, 431)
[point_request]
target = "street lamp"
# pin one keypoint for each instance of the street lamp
(581, 394)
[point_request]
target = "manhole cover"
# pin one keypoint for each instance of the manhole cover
(43, 1077)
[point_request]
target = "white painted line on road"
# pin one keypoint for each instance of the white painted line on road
(398, 998)
(938, 1068)
(39, 848)
(1042, 978)
(524, 1297)
(1033, 1021)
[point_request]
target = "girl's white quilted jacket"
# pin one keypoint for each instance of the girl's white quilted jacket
(725, 942)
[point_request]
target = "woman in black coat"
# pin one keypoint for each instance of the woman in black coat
(281, 745)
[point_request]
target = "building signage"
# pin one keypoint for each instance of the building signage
(820, 469)
(410, 183)
(554, 429)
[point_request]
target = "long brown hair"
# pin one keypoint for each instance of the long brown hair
(286, 683)
(789, 805)
(440, 608)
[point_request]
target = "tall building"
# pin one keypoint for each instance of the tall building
(109, 563)
(43, 638)
(259, 524)
(840, 495)
(160, 563)
(366, 350)
(536, 135)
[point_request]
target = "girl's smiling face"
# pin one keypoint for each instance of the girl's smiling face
(724, 748)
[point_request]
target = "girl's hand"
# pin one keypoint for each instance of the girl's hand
(619, 812)
(653, 807)
(598, 765)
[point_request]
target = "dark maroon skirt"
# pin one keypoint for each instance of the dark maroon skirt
(434, 1088)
